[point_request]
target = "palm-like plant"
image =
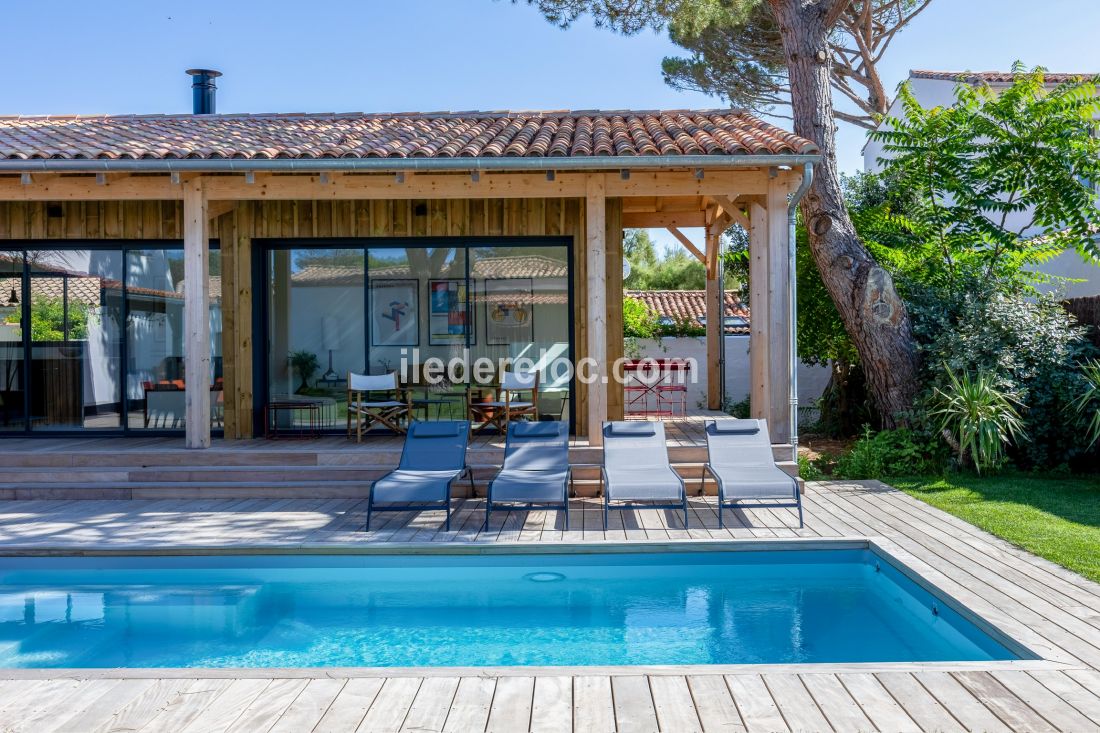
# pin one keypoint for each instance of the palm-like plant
(980, 418)
(1089, 401)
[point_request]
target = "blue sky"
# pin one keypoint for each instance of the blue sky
(426, 55)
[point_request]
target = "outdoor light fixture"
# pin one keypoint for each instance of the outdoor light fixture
(549, 175)
(325, 178)
(475, 176)
(250, 177)
(400, 177)
(25, 179)
(625, 174)
(101, 179)
(175, 178)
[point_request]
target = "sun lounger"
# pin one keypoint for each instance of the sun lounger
(739, 457)
(636, 470)
(536, 469)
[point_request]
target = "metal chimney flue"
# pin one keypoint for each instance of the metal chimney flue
(203, 90)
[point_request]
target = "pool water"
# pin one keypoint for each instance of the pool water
(788, 606)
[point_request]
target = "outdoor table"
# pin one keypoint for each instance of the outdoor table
(311, 428)
(649, 377)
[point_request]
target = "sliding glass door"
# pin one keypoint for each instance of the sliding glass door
(92, 339)
(410, 306)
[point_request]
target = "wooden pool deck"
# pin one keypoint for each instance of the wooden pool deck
(1053, 612)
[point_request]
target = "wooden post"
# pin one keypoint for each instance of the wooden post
(759, 394)
(595, 217)
(779, 313)
(196, 314)
(715, 320)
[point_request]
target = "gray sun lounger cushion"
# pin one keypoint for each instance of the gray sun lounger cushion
(434, 456)
(635, 428)
(736, 427)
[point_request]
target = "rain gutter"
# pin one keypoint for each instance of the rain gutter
(792, 326)
(394, 165)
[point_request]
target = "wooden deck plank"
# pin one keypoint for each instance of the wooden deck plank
(917, 702)
(350, 706)
(877, 704)
(964, 707)
(390, 708)
(634, 708)
(1059, 713)
(269, 705)
(755, 703)
(511, 708)
(842, 712)
(101, 709)
(186, 705)
(593, 705)
(429, 709)
(674, 704)
(795, 703)
(1072, 692)
(552, 705)
(714, 705)
(472, 703)
(307, 709)
(226, 707)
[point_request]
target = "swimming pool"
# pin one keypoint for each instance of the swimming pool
(542, 608)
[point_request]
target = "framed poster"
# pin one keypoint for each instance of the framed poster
(509, 311)
(447, 314)
(394, 309)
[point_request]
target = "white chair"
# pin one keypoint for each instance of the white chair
(376, 400)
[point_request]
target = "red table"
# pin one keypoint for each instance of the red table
(660, 379)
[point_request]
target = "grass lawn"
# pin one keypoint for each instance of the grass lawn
(1055, 518)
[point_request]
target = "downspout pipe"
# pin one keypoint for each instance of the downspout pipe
(514, 164)
(792, 261)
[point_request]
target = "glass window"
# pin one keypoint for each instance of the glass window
(521, 296)
(75, 374)
(12, 391)
(316, 327)
(156, 340)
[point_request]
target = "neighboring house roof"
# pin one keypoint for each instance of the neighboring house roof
(507, 266)
(994, 77)
(690, 305)
(396, 136)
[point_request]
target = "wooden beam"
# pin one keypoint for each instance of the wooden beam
(595, 217)
(688, 244)
(663, 219)
(196, 318)
(715, 322)
(759, 394)
(779, 312)
(214, 209)
(234, 187)
(735, 213)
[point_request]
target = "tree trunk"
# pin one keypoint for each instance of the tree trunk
(864, 293)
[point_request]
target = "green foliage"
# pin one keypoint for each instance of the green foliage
(987, 170)
(1087, 403)
(305, 364)
(1028, 347)
(674, 269)
(639, 320)
(740, 409)
(808, 470)
(887, 453)
(981, 418)
(48, 319)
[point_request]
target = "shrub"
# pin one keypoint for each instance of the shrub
(739, 409)
(1029, 347)
(639, 320)
(901, 452)
(981, 419)
(1087, 403)
(808, 470)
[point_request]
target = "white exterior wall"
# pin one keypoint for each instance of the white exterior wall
(937, 93)
(811, 379)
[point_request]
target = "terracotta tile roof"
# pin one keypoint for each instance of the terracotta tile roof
(680, 305)
(993, 77)
(410, 135)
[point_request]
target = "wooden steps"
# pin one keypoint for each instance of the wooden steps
(264, 470)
